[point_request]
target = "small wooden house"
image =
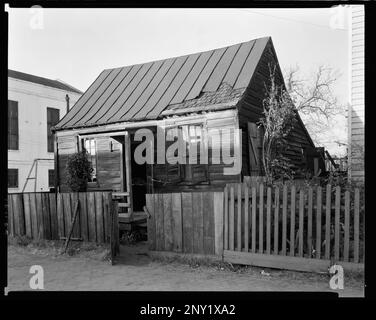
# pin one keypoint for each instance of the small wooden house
(198, 93)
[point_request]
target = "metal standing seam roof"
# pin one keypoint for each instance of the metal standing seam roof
(40, 80)
(144, 91)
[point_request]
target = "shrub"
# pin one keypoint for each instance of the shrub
(79, 171)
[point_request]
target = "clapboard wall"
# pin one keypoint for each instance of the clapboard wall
(356, 108)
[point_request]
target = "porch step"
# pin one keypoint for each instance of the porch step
(120, 194)
(123, 205)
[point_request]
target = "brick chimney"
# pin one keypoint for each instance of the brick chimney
(67, 100)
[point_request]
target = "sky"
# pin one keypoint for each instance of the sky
(75, 45)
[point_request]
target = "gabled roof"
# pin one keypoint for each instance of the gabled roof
(43, 81)
(144, 91)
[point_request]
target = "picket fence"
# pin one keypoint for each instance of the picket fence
(49, 216)
(315, 223)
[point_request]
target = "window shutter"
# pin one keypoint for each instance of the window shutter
(13, 125)
(52, 119)
(255, 136)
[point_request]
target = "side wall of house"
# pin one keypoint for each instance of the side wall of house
(32, 101)
(251, 110)
(356, 108)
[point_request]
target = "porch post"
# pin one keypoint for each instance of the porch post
(128, 172)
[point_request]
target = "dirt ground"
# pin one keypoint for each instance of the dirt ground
(135, 270)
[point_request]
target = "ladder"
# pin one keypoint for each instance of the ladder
(35, 163)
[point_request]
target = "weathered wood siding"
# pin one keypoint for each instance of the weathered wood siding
(109, 170)
(109, 154)
(43, 215)
(187, 222)
(211, 121)
(356, 108)
(251, 110)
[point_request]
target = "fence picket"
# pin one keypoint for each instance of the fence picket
(92, 226)
(60, 215)
(301, 216)
(98, 217)
(347, 227)
(231, 220)
(356, 225)
(84, 216)
(68, 212)
(34, 215)
(28, 226)
(39, 211)
(261, 219)
(284, 220)
(327, 221)
(254, 208)
(10, 216)
(318, 222)
(292, 222)
(336, 221)
(239, 219)
(246, 218)
(268, 220)
(309, 224)
(53, 216)
(226, 235)
(46, 216)
(276, 219)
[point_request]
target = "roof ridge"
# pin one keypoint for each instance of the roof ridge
(30, 77)
(188, 54)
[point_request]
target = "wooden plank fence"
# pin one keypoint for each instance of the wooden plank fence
(49, 216)
(188, 222)
(267, 226)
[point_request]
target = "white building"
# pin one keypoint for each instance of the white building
(356, 108)
(34, 105)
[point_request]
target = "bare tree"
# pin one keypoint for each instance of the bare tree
(313, 97)
(279, 117)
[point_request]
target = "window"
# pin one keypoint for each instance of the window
(89, 144)
(12, 125)
(53, 116)
(12, 178)
(196, 168)
(51, 178)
